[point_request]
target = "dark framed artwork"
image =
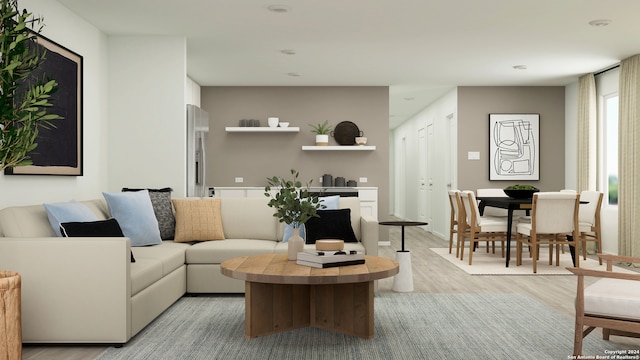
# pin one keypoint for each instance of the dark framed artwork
(59, 150)
(514, 146)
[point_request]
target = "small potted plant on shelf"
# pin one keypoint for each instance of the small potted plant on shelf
(322, 133)
(294, 206)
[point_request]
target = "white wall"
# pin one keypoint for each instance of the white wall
(405, 171)
(67, 29)
(147, 113)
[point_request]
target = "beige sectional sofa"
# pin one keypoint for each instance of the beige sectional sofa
(86, 290)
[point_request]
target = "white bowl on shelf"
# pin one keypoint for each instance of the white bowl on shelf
(284, 124)
(361, 140)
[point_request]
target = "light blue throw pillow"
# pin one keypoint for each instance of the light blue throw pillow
(72, 211)
(134, 213)
(331, 203)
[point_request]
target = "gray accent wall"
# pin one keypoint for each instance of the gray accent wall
(475, 103)
(256, 156)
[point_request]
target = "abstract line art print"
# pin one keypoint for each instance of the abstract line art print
(514, 147)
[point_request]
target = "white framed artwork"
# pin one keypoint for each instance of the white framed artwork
(514, 147)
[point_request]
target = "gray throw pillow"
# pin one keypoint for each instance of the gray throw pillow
(163, 209)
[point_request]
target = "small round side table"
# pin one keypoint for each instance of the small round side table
(403, 282)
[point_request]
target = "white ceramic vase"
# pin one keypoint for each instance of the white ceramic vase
(322, 140)
(295, 244)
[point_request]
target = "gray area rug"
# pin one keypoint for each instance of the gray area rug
(407, 326)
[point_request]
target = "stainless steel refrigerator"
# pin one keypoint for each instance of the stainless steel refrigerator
(197, 135)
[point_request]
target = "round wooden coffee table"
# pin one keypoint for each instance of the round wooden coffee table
(281, 295)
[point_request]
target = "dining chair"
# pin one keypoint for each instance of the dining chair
(479, 228)
(589, 220)
(454, 201)
(554, 222)
(611, 303)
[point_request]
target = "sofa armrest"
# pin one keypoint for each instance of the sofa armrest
(369, 234)
(71, 284)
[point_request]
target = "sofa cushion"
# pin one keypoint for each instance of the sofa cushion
(249, 218)
(331, 224)
(163, 209)
(155, 262)
(32, 220)
(215, 252)
(198, 220)
(170, 253)
(134, 213)
(613, 298)
(99, 228)
(67, 212)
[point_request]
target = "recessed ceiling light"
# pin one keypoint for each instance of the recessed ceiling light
(293, 74)
(288, 51)
(279, 8)
(520, 67)
(600, 22)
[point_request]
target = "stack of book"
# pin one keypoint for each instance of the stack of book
(327, 259)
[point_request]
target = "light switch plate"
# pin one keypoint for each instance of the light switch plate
(239, 180)
(473, 155)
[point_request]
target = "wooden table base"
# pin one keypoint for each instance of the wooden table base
(343, 308)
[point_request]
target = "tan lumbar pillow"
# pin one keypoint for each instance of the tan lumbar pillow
(198, 220)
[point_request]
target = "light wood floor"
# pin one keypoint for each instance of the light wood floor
(431, 273)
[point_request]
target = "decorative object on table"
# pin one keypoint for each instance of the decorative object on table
(27, 93)
(327, 180)
(352, 183)
(514, 147)
(322, 133)
(294, 206)
(327, 259)
(346, 133)
(329, 245)
(340, 182)
(273, 121)
(520, 191)
(361, 140)
(283, 124)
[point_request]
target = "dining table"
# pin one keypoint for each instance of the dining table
(511, 204)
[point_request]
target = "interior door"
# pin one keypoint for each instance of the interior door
(425, 177)
(429, 201)
(422, 174)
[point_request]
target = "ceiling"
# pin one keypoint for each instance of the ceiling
(419, 48)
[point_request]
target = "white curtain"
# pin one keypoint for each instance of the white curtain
(587, 130)
(629, 158)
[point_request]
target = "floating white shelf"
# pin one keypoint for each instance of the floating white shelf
(339, 148)
(263, 129)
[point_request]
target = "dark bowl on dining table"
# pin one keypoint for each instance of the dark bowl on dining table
(520, 194)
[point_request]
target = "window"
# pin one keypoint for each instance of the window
(610, 125)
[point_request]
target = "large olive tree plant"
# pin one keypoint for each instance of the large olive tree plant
(24, 100)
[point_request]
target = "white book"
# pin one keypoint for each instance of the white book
(324, 257)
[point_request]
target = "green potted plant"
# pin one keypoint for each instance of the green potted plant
(294, 205)
(322, 133)
(519, 191)
(24, 99)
